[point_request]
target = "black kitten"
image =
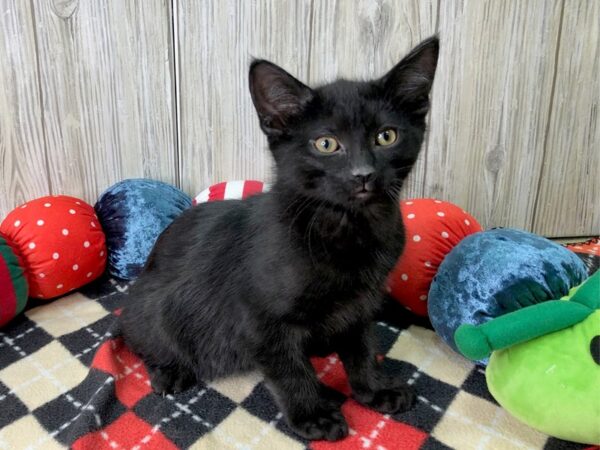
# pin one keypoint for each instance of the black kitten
(267, 282)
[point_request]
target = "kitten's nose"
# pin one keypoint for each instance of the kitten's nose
(363, 174)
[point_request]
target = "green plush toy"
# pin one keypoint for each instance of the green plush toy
(545, 362)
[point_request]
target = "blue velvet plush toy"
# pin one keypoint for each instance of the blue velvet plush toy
(133, 213)
(492, 273)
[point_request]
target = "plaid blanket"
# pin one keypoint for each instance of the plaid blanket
(67, 380)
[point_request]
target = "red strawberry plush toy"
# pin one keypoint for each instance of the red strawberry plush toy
(433, 228)
(59, 243)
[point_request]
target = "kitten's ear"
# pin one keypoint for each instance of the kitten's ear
(409, 82)
(277, 96)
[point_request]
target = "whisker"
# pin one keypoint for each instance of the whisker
(303, 205)
(310, 227)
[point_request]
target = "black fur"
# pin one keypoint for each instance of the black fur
(266, 282)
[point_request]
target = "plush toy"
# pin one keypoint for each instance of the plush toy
(433, 228)
(133, 214)
(495, 272)
(588, 252)
(13, 285)
(545, 365)
(231, 190)
(55, 244)
(59, 243)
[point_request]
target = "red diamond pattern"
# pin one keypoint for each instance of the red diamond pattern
(127, 431)
(131, 379)
(369, 429)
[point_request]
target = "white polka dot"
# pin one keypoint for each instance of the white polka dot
(71, 211)
(437, 201)
(102, 253)
(423, 298)
(89, 274)
(86, 244)
(31, 245)
(42, 275)
(404, 277)
(59, 286)
(47, 205)
(24, 206)
(445, 235)
(65, 232)
(17, 223)
(427, 263)
(410, 216)
(467, 222)
(388, 289)
(441, 214)
(40, 296)
(40, 223)
(408, 308)
(75, 267)
(78, 203)
(416, 238)
(409, 203)
(93, 224)
(55, 255)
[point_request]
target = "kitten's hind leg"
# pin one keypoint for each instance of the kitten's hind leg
(170, 379)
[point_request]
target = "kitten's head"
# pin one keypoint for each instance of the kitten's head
(347, 143)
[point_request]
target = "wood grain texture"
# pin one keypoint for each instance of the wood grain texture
(89, 95)
(491, 107)
(220, 136)
(568, 197)
(22, 148)
(106, 73)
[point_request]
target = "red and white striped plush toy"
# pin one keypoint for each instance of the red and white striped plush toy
(231, 190)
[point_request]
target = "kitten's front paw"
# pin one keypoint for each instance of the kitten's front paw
(387, 394)
(328, 424)
(168, 381)
(388, 400)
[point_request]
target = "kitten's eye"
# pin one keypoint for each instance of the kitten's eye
(326, 144)
(386, 137)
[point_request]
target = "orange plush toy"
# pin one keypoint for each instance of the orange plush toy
(433, 228)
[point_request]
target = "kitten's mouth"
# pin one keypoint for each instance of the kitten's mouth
(363, 194)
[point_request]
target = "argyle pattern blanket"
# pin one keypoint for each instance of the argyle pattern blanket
(67, 380)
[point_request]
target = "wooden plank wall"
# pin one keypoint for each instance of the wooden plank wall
(92, 92)
(23, 158)
(106, 82)
(568, 193)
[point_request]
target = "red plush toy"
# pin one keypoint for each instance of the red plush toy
(433, 228)
(59, 242)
